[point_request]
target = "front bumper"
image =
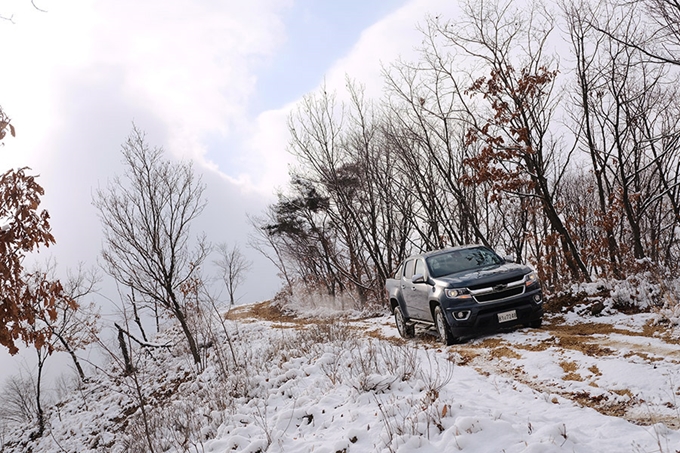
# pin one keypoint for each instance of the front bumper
(482, 318)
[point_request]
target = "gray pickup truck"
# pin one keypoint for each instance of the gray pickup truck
(464, 291)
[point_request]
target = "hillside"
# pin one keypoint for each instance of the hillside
(579, 384)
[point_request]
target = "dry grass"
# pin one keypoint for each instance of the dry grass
(505, 352)
(661, 331)
(466, 356)
(569, 367)
(570, 373)
(601, 404)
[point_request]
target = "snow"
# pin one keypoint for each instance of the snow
(6, 223)
(352, 385)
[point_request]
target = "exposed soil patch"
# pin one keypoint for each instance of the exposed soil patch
(570, 373)
(660, 330)
(505, 352)
(585, 329)
(580, 344)
(465, 356)
(264, 310)
(595, 370)
(600, 403)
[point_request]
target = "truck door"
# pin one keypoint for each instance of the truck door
(416, 295)
(405, 287)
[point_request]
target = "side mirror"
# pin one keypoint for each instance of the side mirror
(418, 278)
(509, 258)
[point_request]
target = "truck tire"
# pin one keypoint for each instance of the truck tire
(536, 324)
(405, 330)
(443, 328)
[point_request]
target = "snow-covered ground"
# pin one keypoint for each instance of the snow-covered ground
(601, 384)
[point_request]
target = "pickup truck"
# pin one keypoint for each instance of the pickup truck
(463, 291)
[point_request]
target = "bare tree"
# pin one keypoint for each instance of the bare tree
(233, 267)
(657, 41)
(625, 112)
(146, 219)
(338, 216)
(45, 346)
(521, 154)
(427, 127)
(18, 399)
(265, 243)
(77, 322)
(66, 326)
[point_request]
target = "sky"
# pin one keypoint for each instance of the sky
(211, 82)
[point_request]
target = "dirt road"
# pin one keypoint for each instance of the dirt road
(625, 366)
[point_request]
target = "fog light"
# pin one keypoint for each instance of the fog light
(462, 315)
(537, 298)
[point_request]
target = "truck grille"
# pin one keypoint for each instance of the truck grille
(504, 294)
(507, 281)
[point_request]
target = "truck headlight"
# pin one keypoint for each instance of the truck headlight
(457, 293)
(531, 279)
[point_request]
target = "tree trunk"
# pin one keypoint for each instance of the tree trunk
(72, 353)
(123, 348)
(179, 314)
(571, 253)
(41, 414)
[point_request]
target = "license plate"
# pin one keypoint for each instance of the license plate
(507, 316)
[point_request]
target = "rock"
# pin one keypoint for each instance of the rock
(596, 308)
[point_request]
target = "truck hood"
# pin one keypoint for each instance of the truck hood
(484, 276)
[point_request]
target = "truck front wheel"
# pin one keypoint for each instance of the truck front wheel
(443, 327)
(405, 330)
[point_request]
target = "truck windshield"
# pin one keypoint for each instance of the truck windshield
(461, 260)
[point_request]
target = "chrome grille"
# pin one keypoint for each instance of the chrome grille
(500, 290)
(498, 295)
(507, 281)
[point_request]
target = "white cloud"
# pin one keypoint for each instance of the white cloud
(190, 62)
(267, 158)
(80, 73)
(396, 36)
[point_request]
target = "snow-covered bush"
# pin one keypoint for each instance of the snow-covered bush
(649, 290)
(641, 291)
(670, 300)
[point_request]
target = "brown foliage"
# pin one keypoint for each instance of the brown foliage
(506, 158)
(5, 125)
(23, 297)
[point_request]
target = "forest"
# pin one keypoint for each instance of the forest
(550, 134)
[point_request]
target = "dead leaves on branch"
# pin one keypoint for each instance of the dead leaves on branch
(6, 125)
(507, 148)
(25, 298)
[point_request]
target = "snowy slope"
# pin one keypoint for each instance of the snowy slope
(609, 384)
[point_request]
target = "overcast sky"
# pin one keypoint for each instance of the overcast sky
(210, 81)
